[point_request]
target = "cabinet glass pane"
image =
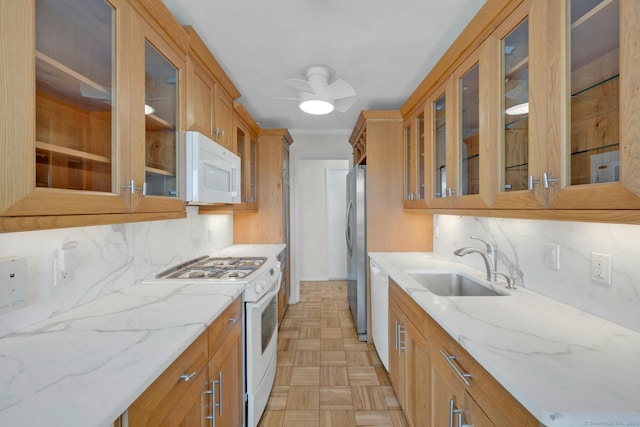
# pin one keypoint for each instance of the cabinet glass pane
(408, 160)
(253, 172)
(420, 177)
(75, 132)
(469, 153)
(161, 111)
(440, 144)
(595, 67)
(515, 54)
(241, 144)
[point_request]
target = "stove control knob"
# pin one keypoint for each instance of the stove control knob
(258, 288)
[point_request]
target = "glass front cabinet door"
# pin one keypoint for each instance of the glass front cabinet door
(414, 155)
(459, 133)
(596, 162)
(70, 138)
(519, 49)
(158, 115)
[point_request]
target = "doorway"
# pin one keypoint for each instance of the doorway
(320, 207)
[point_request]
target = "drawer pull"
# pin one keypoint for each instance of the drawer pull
(189, 377)
(215, 405)
(233, 320)
(450, 360)
(452, 412)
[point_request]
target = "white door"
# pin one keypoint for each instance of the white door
(336, 222)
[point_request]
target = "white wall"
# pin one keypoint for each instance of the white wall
(111, 257)
(307, 145)
(520, 252)
(312, 221)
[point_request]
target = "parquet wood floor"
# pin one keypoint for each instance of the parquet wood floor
(325, 376)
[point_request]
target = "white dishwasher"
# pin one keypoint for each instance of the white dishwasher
(380, 311)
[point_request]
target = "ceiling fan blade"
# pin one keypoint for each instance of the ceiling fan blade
(301, 85)
(287, 99)
(344, 104)
(340, 89)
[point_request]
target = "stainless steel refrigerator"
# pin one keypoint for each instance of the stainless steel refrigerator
(356, 236)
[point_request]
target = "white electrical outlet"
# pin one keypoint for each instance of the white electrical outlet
(552, 256)
(13, 283)
(601, 268)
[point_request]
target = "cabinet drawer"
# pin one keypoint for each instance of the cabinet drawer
(501, 407)
(158, 401)
(410, 308)
(224, 324)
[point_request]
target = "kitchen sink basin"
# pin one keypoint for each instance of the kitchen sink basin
(454, 285)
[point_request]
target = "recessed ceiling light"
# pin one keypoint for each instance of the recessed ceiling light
(148, 109)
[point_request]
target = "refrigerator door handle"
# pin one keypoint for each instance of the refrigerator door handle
(347, 231)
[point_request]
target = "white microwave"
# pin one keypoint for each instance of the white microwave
(212, 172)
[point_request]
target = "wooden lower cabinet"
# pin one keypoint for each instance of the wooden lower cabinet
(450, 403)
(225, 376)
(409, 366)
(207, 374)
(423, 359)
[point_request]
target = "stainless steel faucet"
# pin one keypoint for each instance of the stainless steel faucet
(488, 263)
(489, 258)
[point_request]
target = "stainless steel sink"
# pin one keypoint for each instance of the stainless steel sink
(454, 285)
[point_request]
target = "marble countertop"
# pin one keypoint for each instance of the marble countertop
(86, 366)
(567, 367)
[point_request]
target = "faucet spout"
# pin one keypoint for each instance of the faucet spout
(488, 263)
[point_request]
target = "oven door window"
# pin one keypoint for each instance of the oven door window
(269, 322)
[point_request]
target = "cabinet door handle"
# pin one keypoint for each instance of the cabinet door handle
(233, 320)
(401, 332)
(219, 404)
(546, 180)
(453, 411)
(189, 377)
(215, 405)
(532, 182)
(450, 360)
(133, 188)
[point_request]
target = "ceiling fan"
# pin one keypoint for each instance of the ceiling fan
(319, 97)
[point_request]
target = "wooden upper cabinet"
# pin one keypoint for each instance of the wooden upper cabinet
(158, 117)
(74, 141)
(245, 137)
(210, 94)
(458, 131)
(519, 49)
(414, 161)
(593, 105)
(60, 135)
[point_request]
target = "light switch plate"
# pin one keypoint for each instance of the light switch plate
(552, 256)
(13, 283)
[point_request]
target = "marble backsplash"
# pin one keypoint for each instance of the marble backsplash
(520, 246)
(110, 257)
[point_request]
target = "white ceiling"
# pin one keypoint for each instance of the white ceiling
(383, 48)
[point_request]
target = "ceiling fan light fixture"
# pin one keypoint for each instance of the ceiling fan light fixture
(317, 107)
(519, 109)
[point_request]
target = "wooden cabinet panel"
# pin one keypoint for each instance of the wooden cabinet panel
(404, 231)
(225, 325)
(225, 376)
(408, 360)
(172, 395)
(224, 119)
(76, 143)
(427, 385)
(200, 99)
